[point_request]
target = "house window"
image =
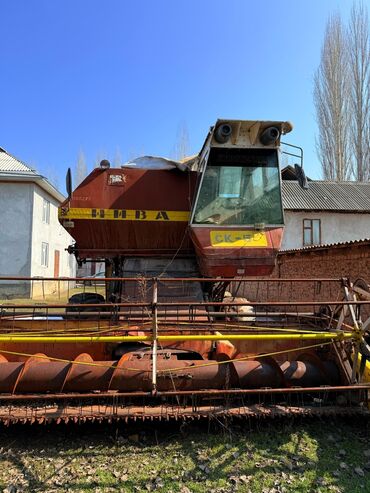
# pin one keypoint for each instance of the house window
(311, 232)
(45, 254)
(46, 212)
(71, 262)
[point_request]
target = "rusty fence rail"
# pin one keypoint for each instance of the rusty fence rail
(133, 310)
(154, 316)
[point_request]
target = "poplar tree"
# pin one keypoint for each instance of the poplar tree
(181, 148)
(342, 98)
(81, 168)
(359, 58)
(332, 102)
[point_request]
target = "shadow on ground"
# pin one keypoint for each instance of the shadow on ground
(263, 456)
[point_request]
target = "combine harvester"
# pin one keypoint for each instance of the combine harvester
(190, 325)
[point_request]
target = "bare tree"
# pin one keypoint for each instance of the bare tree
(285, 160)
(52, 175)
(81, 168)
(48, 171)
(331, 98)
(359, 57)
(181, 148)
(100, 155)
(117, 160)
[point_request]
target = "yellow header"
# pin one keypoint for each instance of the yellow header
(238, 239)
(123, 214)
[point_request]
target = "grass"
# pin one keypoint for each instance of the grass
(307, 456)
(55, 297)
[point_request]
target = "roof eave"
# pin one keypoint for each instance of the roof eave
(339, 211)
(40, 180)
(323, 246)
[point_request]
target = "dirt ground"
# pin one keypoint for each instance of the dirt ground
(258, 457)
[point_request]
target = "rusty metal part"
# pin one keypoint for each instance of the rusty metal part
(173, 279)
(132, 372)
(187, 304)
(60, 396)
(264, 372)
(77, 381)
(309, 365)
(113, 411)
(140, 191)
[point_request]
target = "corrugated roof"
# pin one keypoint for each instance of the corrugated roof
(327, 196)
(327, 245)
(10, 164)
(13, 170)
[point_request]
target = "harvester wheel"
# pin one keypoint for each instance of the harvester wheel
(325, 315)
(361, 283)
(363, 294)
(85, 299)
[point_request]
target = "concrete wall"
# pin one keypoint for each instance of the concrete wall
(90, 269)
(16, 206)
(56, 237)
(335, 227)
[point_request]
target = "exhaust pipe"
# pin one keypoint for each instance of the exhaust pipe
(223, 133)
(269, 136)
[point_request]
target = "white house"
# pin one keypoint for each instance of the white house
(327, 212)
(32, 242)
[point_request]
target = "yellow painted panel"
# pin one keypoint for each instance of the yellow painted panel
(366, 374)
(123, 214)
(238, 239)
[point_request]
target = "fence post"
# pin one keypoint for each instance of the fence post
(155, 334)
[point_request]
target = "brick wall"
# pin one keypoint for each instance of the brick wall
(348, 260)
(337, 261)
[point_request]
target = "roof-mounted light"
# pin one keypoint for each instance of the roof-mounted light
(269, 136)
(223, 133)
(105, 164)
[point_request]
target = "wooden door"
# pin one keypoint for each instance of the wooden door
(56, 263)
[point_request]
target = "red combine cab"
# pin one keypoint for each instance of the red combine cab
(166, 340)
(224, 209)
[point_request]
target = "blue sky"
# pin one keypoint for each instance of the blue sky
(123, 76)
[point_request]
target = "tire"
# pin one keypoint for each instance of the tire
(85, 299)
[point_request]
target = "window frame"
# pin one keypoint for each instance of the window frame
(44, 254)
(46, 211)
(311, 229)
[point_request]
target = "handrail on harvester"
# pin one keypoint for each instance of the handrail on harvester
(167, 279)
(188, 304)
(339, 335)
(154, 311)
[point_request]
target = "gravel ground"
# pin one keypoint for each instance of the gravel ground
(301, 456)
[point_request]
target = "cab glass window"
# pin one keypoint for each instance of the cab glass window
(240, 187)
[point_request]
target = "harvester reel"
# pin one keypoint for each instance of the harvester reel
(363, 294)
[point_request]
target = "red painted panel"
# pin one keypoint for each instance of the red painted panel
(159, 190)
(134, 190)
(236, 261)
